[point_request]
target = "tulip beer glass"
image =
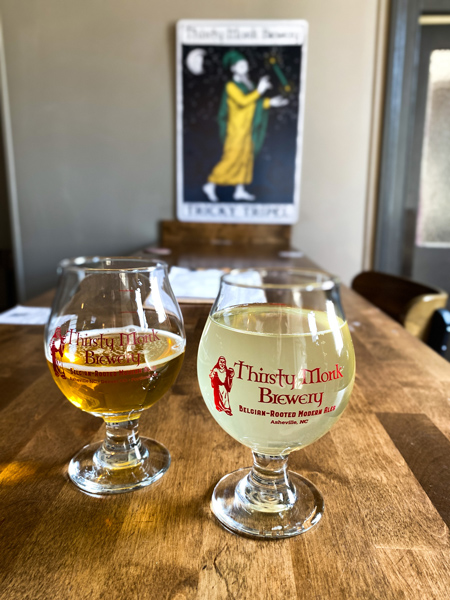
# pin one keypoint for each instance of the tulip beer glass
(276, 368)
(114, 345)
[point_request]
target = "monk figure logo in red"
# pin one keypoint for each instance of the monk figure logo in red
(222, 382)
(57, 347)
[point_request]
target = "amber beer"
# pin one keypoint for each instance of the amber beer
(275, 377)
(115, 371)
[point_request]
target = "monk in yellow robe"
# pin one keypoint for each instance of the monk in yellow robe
(243, 129)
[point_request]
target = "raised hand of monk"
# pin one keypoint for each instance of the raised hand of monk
(264, 85)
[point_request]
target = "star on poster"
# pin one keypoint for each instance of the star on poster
(240, 99)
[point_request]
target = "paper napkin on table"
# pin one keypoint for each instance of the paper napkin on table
(203, 283)
(25, 315)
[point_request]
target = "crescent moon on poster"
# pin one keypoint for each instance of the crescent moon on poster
(194, 61)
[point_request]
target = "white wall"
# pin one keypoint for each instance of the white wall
(338, 112)
(91, 89)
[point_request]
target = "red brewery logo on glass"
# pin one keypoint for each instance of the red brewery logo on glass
(222, 378)
(57, 348)
(123, 349)
(221, 382)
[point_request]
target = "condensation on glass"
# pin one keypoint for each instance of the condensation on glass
(433, 224)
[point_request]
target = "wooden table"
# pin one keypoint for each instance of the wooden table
(383, 470)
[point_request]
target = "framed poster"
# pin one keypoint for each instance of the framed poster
(240, 105)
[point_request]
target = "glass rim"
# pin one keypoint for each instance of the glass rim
(327, 281)
(87, 263)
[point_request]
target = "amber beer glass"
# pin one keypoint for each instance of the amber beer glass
(276, 368)
(114, 345)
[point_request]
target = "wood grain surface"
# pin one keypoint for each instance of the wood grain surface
(383, 470)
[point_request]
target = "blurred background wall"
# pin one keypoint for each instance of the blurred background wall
(91, 87)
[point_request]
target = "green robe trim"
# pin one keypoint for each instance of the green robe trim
(259, 124)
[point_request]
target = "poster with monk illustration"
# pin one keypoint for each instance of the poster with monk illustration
(240, 102)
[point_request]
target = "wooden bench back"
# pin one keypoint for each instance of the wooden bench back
(175, 233)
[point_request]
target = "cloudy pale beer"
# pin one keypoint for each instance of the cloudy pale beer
(115, 371)
(276, 377)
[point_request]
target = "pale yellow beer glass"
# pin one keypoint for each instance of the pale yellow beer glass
(276, 367)
(114, 345)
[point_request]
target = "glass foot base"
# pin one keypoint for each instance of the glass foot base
(242, 514)
(95, 473)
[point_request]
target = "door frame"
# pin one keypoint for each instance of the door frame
(393, 225)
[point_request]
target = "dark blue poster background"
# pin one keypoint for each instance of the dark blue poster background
(274, 168)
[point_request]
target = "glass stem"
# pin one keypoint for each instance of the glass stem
(122, 446)
(267, 486)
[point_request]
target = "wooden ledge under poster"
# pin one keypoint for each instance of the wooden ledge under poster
(240, 104)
